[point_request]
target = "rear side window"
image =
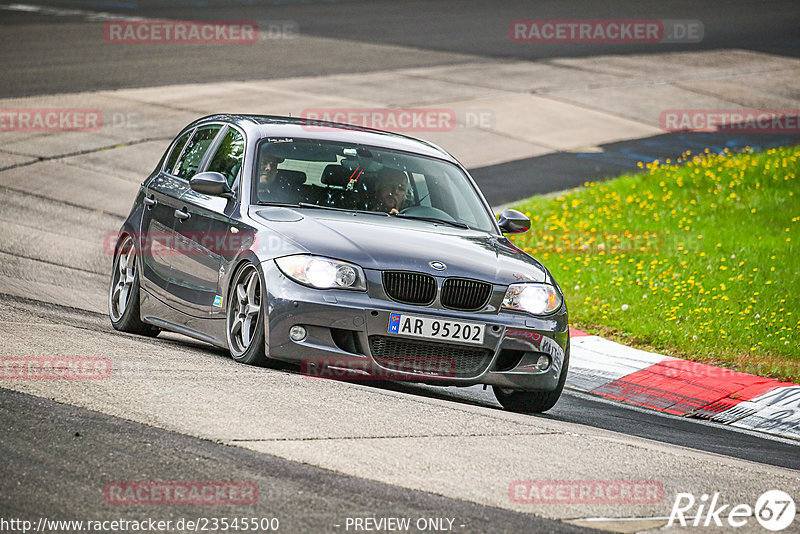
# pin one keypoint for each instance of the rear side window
(176, 152)
(228, 159)
(195, 150)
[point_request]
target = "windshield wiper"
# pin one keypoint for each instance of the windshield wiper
(317, 206)
(281, 204)
(433, 220)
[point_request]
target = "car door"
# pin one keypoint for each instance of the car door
(206, 233)
(156, 236)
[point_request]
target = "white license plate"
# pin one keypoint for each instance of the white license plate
(430, 328)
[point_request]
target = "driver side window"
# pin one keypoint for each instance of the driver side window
(195, 150)
(228, 159)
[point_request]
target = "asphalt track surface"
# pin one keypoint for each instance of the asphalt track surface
(54, 54)
(44, 54)
(36, 481)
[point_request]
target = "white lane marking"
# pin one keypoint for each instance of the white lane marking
(612, 519)
(91, 16)
(21, 7)
(274, 29)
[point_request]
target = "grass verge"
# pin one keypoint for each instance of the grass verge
(696, 258)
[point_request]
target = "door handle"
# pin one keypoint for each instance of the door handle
(149, 201)
(182, 215)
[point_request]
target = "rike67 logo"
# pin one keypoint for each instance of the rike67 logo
(774, 510)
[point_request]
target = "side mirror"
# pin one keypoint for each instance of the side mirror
(514, 222)
(211, 183)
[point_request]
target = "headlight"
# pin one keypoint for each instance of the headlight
(322, 273)
(538, 299)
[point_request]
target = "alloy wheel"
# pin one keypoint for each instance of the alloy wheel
(121, 291)
(244, 310)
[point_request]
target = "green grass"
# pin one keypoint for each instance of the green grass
(696, 258)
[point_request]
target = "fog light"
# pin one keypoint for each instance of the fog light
(297, 333)
(543, 362)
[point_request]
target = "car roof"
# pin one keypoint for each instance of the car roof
(261, 126)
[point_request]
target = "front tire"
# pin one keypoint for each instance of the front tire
(532, 401)
(123, 293)
(245, 317)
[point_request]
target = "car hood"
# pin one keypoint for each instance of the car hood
(384, 243)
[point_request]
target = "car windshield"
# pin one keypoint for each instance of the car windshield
(311, 173)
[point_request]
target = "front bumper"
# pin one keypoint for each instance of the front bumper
(339, 324)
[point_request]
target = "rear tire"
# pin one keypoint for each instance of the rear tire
(532, 401)
(245, 317)
(123, 293)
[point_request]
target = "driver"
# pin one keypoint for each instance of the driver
(268, 187)
(391, 187)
